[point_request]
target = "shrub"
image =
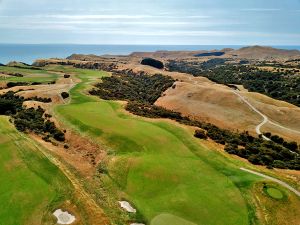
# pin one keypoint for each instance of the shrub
(200, 134)
(65, 95)
(14, 84)
(58, 135)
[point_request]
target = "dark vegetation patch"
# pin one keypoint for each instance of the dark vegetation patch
(39, 99)
(16, 84)
(129, 87)
(65, 95)
(243, 62)
(153, 62)
(211, 63)
(281, 85)
(29, 120)
(141, 91)
(210, 54)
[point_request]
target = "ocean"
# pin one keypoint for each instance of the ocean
(28, 53)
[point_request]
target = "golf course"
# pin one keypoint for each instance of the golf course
(158, 164)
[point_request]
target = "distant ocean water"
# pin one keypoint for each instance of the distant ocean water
(28, 53)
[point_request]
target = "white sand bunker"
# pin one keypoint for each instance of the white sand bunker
(137, 224)
(63, 217)
(126, 205)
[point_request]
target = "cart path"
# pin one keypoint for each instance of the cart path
(272, 179)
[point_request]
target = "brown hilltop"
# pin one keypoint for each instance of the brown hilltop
(263, 53)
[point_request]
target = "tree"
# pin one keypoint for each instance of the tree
(200, 134)
(65, 95)
(293, 146)
(268, 134)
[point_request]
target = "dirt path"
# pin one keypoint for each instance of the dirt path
(273, 179)
(265, 118)
(282, 127)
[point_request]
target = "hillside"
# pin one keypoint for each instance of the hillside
(263, 53)
(251, 53)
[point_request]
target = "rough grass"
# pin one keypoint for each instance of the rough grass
(274, 210)
(159, 165)
(31, 187)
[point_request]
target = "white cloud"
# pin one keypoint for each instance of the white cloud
(118, 16)
(261, 10)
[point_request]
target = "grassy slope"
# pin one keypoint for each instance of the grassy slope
(160, 166)
(31, 186)
(29, 75)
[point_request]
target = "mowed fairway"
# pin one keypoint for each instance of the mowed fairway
(162, 168)
(30, 185)
(29, 75)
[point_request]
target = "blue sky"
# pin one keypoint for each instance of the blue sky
(266, 22)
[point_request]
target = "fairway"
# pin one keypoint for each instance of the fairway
(161, 167)
(31, 187)
(30, 75)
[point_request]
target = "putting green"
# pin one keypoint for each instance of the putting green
(31, 187)
(274, 193)
(158, 164)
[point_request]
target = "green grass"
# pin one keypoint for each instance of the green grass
(30, 75)
(165, 218)
(160, 166)
(273, 192)
(31, 186)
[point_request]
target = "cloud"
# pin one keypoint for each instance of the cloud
(134, 22)
(171, 33)
(121, 16)
(261, 10)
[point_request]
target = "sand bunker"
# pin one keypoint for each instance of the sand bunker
(63, 217)
(126, 205)
(137, 224)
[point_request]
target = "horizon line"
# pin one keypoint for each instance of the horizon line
(122, 44)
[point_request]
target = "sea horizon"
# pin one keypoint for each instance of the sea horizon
(28, 53)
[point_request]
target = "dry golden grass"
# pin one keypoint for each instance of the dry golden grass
(271, 211)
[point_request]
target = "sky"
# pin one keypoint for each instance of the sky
(173, 22)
